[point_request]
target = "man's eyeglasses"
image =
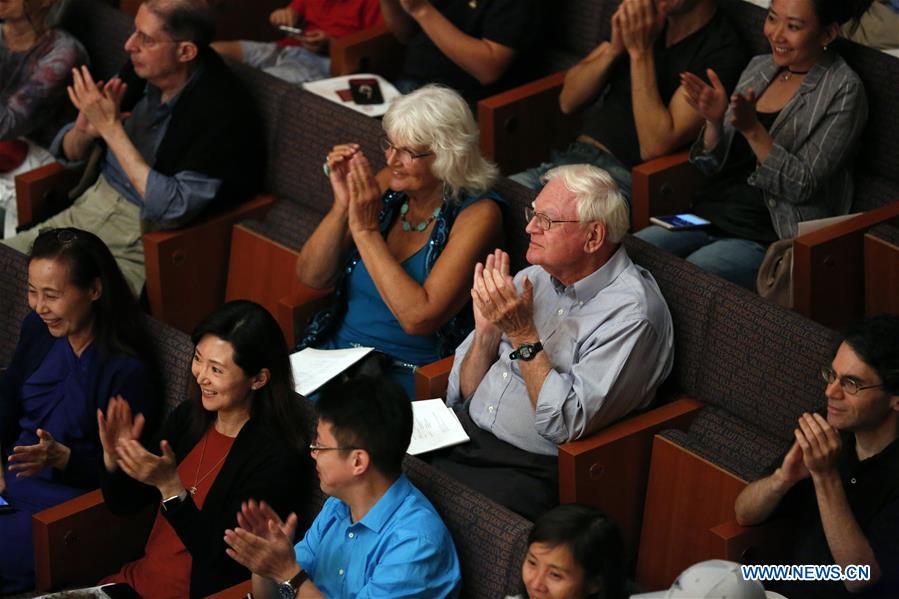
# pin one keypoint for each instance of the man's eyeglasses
(544, 223)
(404, 155)
(849, 385)
(313, 448)
(145, 41)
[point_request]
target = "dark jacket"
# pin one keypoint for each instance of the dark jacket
(261, 465)
(215, 130)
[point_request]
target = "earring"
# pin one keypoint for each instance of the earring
(825, 47)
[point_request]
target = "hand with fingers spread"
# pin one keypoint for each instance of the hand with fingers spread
(156, 471)
(28, 460)
(364, 196)
(639, 24)
(338, 162)
(820, 444)
(743, 116)
(262, 542)
(710, 101)
(118, 425)
(499, 303)
(98, 105)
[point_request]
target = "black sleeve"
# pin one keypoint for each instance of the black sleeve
(28, 354)
(512, 23)
(275, 475)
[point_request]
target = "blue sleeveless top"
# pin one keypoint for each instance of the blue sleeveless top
(360, 317)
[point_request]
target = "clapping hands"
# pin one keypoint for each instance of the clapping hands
(117, 426)
(262, 542)
(497, 304)
(98, 104)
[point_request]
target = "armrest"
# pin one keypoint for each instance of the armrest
(187, 268)
(750, 544)
(80, 541)
(828, 268)
(431, 379)
(609, 470)
(512, 137)
(44, 191)
(372, 50)
(662, 186)
(238, 591)
(295, 310)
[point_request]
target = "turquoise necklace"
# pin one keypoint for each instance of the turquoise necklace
(408, 227)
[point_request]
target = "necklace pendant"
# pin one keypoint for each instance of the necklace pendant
(472, 4)
(193, 490)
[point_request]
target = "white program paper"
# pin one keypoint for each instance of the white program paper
(312, 368)
(435, 426)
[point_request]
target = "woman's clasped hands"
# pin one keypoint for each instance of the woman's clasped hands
(355, 187)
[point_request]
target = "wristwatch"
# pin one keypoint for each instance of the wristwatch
(526, 351)
(175, 501)
(289, 588)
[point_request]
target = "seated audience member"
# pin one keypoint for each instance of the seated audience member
(241, 434)
(839, 483)
(712, 579)
(629, 86)
(376, 535)
(36, 61)
(82, 345)
(574, 552)
(305, 57)
(394, 246)
(570, 345)
(877, 28)
(190, 135)
(476, 47)
(766, 174)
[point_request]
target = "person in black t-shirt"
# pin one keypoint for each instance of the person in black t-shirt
(839, 481)
(641, 112)
(472, 46)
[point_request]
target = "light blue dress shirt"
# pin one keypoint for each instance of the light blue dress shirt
(169, 201)
(401, 548)
(610, 340)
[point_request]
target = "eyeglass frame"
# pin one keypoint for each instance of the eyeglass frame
(152, 43)
(847, 384)
(314, 448)
(387, 145)
(531, 214)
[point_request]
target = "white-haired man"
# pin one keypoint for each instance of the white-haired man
(570, 345)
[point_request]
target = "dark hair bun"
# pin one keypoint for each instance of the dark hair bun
(840, 11)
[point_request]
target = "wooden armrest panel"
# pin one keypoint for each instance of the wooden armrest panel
(238, 591)
(80, 541)
(609, 469)
(294, 311)
(519, 127)
(44, 191)
(372, 50)
(662, 186)
(881, 276)
(431, 379)
(187, 267)
(828, 268)
(747, 544)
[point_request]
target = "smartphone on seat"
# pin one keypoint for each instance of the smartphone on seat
(680, 222)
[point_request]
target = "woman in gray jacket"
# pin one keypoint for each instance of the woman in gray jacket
(779, 150)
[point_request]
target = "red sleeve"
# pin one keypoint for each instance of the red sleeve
(298, 7)
(371, 13)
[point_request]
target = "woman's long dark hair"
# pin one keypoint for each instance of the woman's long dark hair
(258, 343)
(118, 323)
(840, 11)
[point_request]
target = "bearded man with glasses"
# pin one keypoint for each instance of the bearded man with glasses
(174, 131)
(840, 479)
(568, 346)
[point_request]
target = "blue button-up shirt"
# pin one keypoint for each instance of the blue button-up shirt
(169, 201)
(401, 548)
(610, 340)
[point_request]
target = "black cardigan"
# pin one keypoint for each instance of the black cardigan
(261, 465)
(215, 130)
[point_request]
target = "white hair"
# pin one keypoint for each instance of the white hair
(597, 196)
(438, 118)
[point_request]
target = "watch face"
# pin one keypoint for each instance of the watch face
(526, 352)
(286, 591)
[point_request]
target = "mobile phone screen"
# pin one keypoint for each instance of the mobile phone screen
(4, 505)
(680, 221)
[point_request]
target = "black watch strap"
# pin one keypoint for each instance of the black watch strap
(526, 351)
(289, 588)
(175, 502)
